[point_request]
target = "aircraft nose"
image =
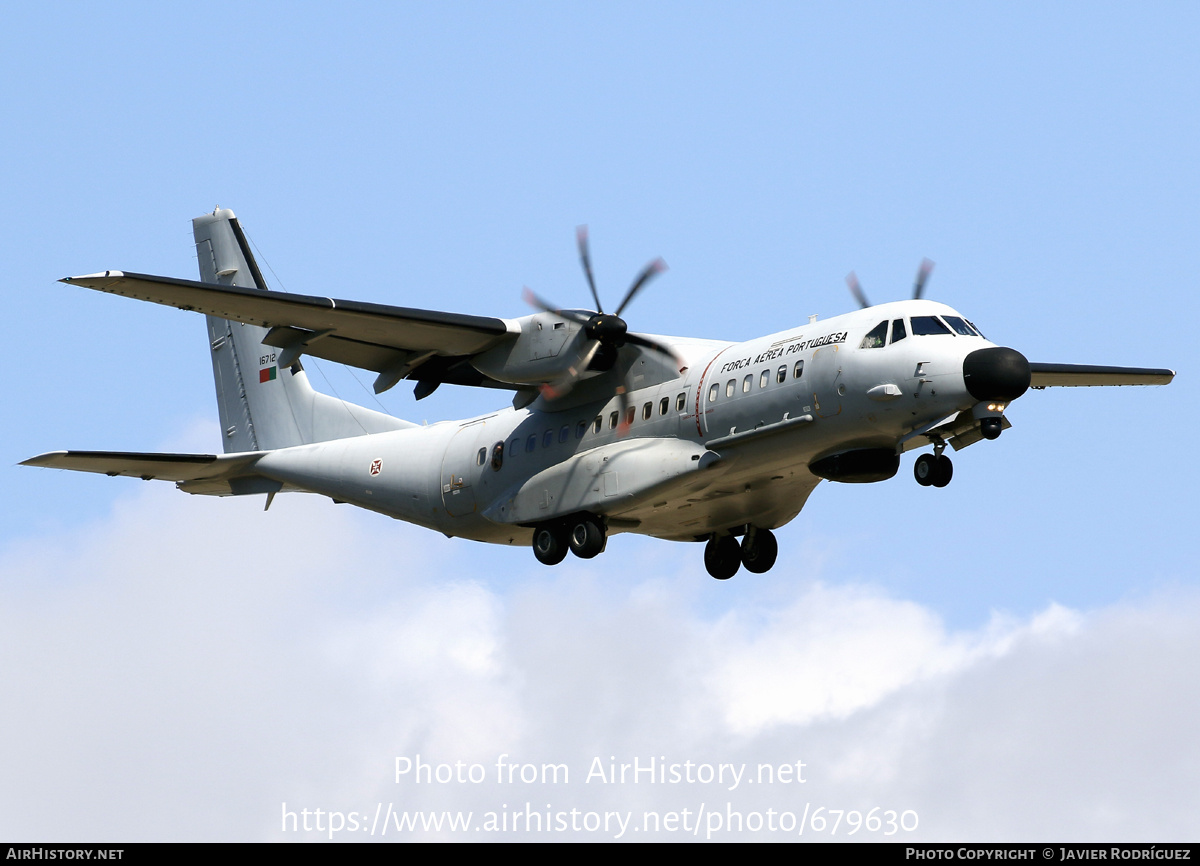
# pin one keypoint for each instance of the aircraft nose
(997, 373)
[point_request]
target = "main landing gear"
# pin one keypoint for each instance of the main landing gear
(723, 556)
(583, 535)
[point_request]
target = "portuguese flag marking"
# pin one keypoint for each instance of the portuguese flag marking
(267, 374)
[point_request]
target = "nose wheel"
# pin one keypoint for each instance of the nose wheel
(934, 470)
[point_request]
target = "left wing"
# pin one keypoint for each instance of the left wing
(396, 342)
(1071, 375)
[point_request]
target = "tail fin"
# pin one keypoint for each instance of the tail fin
(264, 406)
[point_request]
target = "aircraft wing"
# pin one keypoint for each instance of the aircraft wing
(1071, 375)
(378, 337)
(220, 475)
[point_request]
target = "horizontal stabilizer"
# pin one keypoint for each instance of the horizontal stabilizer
(1073, 375)
(220, 475)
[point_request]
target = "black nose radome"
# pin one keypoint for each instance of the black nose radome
(996, 374)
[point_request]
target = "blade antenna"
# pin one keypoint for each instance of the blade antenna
(581, 236)
(856, 290)
(922, 278)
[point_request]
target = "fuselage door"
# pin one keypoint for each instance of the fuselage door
(824, 376)
(460, 471)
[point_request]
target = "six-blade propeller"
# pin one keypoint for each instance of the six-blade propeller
(604, 333)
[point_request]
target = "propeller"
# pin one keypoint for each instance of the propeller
(918, 286)
(603, 332)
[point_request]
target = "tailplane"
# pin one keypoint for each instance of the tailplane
(264, 398)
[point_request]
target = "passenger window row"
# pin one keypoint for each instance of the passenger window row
(764, 379)
(564, 433)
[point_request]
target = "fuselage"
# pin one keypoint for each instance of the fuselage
(729, 442)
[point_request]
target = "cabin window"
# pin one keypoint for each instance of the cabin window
(799, 370)
(898, 332)
(497, 456)
(729, 386)
(680, 401)
(514, 446)
(647, 411)
(531, 442)
(597, 424)
(876, 337)
(612, 421)
(746, 383)
(630, 414)
(924, 326)
(564, 433)
(481, 457)
(580, 429)
(712, 393)
(548, 438)
(764, 378)
(663, 405)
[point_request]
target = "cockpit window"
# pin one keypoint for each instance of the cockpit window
(898, 332)
(960, 326)
(976, 327)
(876, 337)
(926, 325)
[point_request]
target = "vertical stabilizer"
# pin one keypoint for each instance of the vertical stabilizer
(264, 406)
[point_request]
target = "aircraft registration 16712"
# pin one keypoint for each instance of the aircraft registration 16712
(609, 430)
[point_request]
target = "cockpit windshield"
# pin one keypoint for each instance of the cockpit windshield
(961, 326)
(923, 326)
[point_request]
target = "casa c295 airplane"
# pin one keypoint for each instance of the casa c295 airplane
(609, 431)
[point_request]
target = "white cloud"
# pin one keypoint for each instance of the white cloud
(184, 668)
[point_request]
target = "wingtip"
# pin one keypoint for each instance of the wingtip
(106, 275)
(43, 460)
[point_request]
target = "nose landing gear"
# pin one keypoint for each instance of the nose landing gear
(934, 469)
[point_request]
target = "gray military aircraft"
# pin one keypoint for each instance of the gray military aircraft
(609, 430)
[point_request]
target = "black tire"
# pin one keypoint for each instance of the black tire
(944, 472)
(549, 545)
(925, 469)
(722, 556)
(761, 555)
(587, 538)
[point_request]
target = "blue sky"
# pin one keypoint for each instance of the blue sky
(441, 156)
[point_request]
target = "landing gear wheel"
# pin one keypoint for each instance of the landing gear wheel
(549, 545)
(759, 551)
(925, 469)
(587, 538)
(944, 472)
(722, 556)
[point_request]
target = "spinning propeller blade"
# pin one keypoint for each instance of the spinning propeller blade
(856, 290)
(922, 278)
